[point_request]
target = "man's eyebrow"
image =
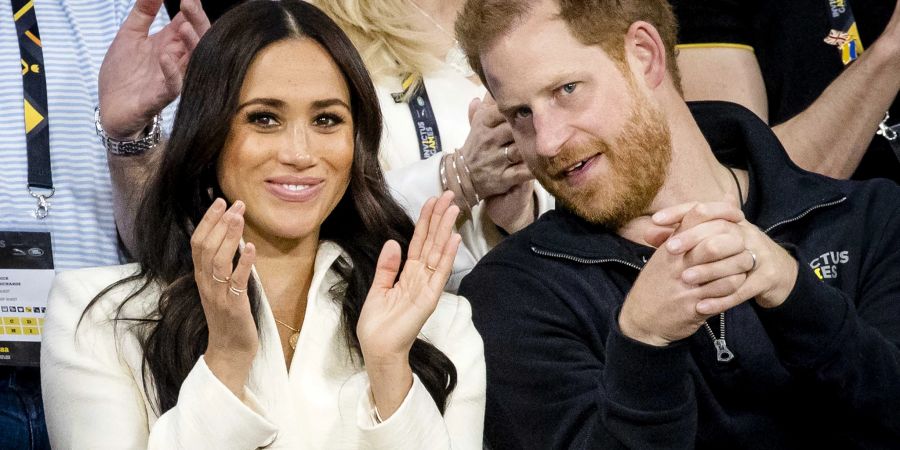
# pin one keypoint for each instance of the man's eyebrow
(554, 83)
(510, 110)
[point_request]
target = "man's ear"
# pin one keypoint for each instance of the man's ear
(643, 43)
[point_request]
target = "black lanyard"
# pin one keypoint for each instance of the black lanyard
(423, 117)
(34, 88)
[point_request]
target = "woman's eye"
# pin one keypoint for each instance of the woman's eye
(328, 120)
(523, 113)
(264, 120)
(568, 88)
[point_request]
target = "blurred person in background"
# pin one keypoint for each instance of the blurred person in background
(822, 73)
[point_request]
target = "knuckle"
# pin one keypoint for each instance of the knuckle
(207, 246)
(702, 209)
(727, 227)
(712, 247)
(723, 303)
(221, 266)
(689, 309)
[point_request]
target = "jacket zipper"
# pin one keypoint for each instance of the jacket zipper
(804, 213)
(582, 260)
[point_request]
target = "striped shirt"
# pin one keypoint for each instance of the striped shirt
(75, 35)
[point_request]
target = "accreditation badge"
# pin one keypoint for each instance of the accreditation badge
(26, 273)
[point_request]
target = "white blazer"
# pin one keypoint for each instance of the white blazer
(94, 396)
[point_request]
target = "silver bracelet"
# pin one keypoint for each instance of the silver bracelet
(134, 147)
(443, 172)
(462, 190)
(469, 176)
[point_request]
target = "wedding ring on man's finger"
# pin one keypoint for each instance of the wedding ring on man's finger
(236, 291)
(219, 280)
(430, 269)
(752, 255)
(506, 153)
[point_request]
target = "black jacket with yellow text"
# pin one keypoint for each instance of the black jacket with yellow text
(821, 370)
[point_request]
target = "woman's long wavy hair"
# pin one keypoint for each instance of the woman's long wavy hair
(175, 335)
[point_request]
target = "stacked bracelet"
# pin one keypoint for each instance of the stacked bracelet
(471, 182)
(465, 181)
(456, 182)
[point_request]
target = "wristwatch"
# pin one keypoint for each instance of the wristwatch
(130, 147)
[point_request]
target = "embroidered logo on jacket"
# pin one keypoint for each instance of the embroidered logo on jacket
(827, 264)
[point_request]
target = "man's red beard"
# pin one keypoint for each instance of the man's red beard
(636, 168)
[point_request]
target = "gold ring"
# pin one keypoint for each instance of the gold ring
(432, 269)
(752, 255)
(236, 291)
(219, 280)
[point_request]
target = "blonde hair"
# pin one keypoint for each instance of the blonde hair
(386, 33)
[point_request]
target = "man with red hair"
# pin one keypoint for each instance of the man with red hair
(695, 288)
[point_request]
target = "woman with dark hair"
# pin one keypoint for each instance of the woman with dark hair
(271, 304)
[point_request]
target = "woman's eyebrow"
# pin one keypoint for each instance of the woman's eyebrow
(319, 104)
(273, 102)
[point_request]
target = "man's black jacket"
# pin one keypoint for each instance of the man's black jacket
(822, 370)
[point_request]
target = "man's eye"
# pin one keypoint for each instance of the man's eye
(523, 113)
(569, 88)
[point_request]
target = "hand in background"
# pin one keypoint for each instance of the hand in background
(398, 306)
(495, 170)
(142, 74)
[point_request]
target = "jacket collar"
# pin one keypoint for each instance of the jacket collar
(779, 190)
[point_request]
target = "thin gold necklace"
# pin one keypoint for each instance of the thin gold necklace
(294, 337)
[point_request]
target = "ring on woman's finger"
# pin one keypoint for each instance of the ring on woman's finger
(506, 153)
(752, 255)
(431, 269)
(236, 291)
(219, 280)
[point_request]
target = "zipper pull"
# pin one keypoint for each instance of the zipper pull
(722, 352)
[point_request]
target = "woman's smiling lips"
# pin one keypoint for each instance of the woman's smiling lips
(294, 189)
